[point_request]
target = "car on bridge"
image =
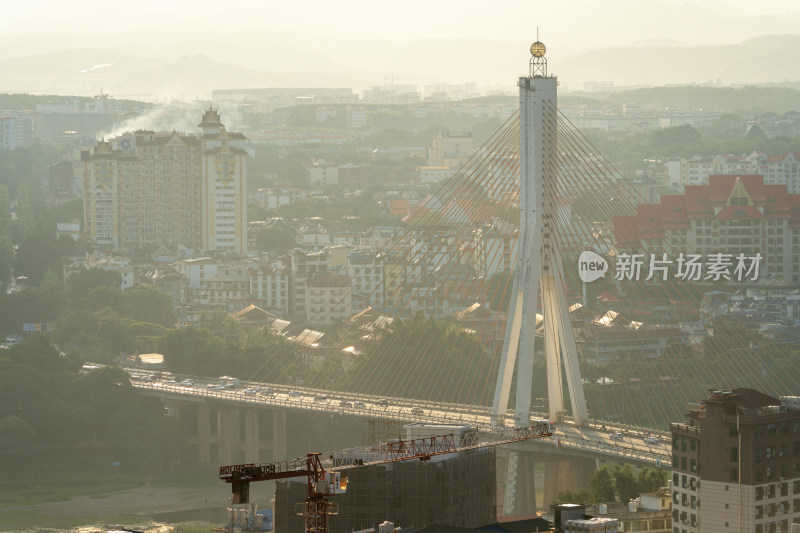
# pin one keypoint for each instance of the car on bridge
(293, 393)
(320, 398)
(188, 382)
(617, 436)
(417, 411)
(651, 439)
(345, 403)
(359, 405)
(383, 403)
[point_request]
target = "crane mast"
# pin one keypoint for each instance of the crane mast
(324, 476)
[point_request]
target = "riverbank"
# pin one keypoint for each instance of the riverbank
(147, 507)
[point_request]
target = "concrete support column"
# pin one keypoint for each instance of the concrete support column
(204, 434)
(278, 435)
(526, 484)
(554, 471)
(228, 434)
(566, 474)
(581, 471)
(252, 443)
(173, 408)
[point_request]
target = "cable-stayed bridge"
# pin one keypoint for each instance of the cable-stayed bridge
(593, 438)
(521, 213)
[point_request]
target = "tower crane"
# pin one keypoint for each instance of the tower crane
(324, 473)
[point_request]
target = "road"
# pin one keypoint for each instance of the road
(631, 443)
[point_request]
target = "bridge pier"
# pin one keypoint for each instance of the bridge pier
(525, 473)
(217, 433)
(570, 473)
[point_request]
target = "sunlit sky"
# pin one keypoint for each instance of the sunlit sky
(579, 22)
(46, 44)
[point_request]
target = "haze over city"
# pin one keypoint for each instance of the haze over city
(186, 49)
(506, 266)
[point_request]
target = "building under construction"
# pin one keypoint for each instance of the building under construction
(456, 489)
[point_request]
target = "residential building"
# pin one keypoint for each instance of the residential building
(270, 285)
(144, 190)
(365, 269)
(451, 149)
(60, 185)
(322, 174)
(433, 174)
(733, 214)
(649, 512)
(229, 290)
(599, 344)
(305, 265)
(736, 464)
(328, 298)
(16, 131)
(777, 169)
(197, 270)
(325, 112)
(355, 117)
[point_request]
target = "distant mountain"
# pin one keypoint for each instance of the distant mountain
(760, 60)
(193, 68)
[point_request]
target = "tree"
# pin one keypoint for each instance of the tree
(194, 351)
(15, 434)
(651, 479)
(148, 304)
(275, 240)
(602, 485)
(41, 252)
(38, 352)
(499, 291)
(83, 281)
(581, 497)
(681, 135)
(625, 483)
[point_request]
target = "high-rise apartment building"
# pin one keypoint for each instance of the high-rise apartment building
(736, 464)
(144, 190)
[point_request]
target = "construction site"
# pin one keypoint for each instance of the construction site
(439, 473)
(457, 491)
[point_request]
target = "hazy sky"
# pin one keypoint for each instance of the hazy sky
(579, 22)
(139, 46)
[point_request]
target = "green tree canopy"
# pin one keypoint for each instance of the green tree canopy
(15, 434)
(275, 239)
(83, 281)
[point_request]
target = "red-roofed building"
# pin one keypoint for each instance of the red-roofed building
(732, 214)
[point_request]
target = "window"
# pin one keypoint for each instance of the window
(759, 431)
(734, 454)
(771, 430)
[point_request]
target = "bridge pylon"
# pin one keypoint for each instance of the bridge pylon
(539, 269)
